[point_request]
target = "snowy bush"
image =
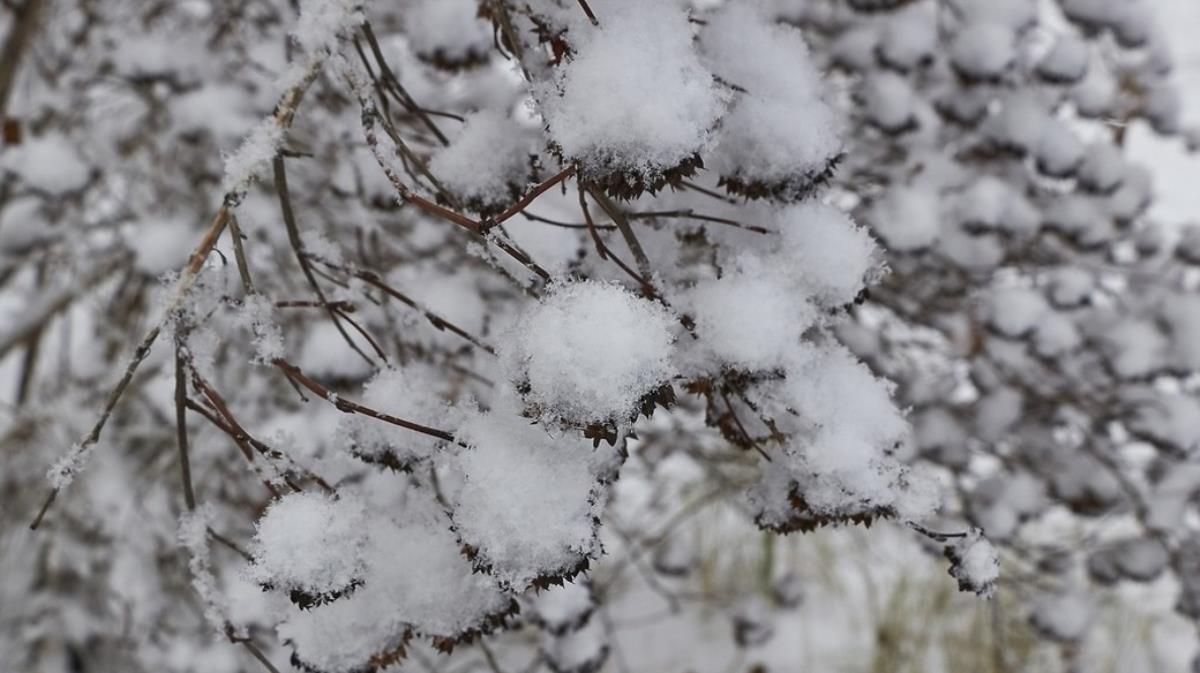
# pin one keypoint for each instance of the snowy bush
(1032, 318)
(348, 335)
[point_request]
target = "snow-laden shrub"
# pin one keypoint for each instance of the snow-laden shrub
(355, 332)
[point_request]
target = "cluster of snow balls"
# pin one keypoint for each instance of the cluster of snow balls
(983, 51)
(889, 102)
(1059, 151)
(596, 105)
(1064, 616)
(907, 40)
(310, 545)
(989, 204)
(1131, 22)
(410, 393)
(1003, 501)
(838, 463)
(907, 217)
(1168, 419)
(447, 33)
(589, 352)
(416, 582)
(1015, 312)
(487, 165)
(1132, 347)
(1066, 62)
(974, 563)
(780, 137)
(752, 318)
(530, 502)
(766, 316)
(1138, 559)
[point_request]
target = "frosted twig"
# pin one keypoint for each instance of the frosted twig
(65, 469)
(293, 232)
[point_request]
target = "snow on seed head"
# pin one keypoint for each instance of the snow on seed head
(310, 543)
(588, 352)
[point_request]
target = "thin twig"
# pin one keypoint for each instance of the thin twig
(239, 254)
(293, 232)
(346, 406)
(590, 14)
(21, 33)
(530, 197)
(369, 118)
(434, 319)
(601, 249)
(618, 217)
(181, 436)
(285, 112)
(691, 214)
(402, 95)
(257, 654)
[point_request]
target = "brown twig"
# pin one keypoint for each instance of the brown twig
(346, 406)
(601, 249)
(590, 14)
(340, 306)
(389, 78)
(293, 232)
(529, 198)
(21, 32)
(618, 217)
(691, 214)
(369, 118)
(434, 319)
(285, 111)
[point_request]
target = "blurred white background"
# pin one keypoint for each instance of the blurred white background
(1177, 173)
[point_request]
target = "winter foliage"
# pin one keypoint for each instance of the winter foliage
(417, 335)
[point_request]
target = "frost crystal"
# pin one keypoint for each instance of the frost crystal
(251, 159)
(193, 536)
(258, 315)
(322, 22)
